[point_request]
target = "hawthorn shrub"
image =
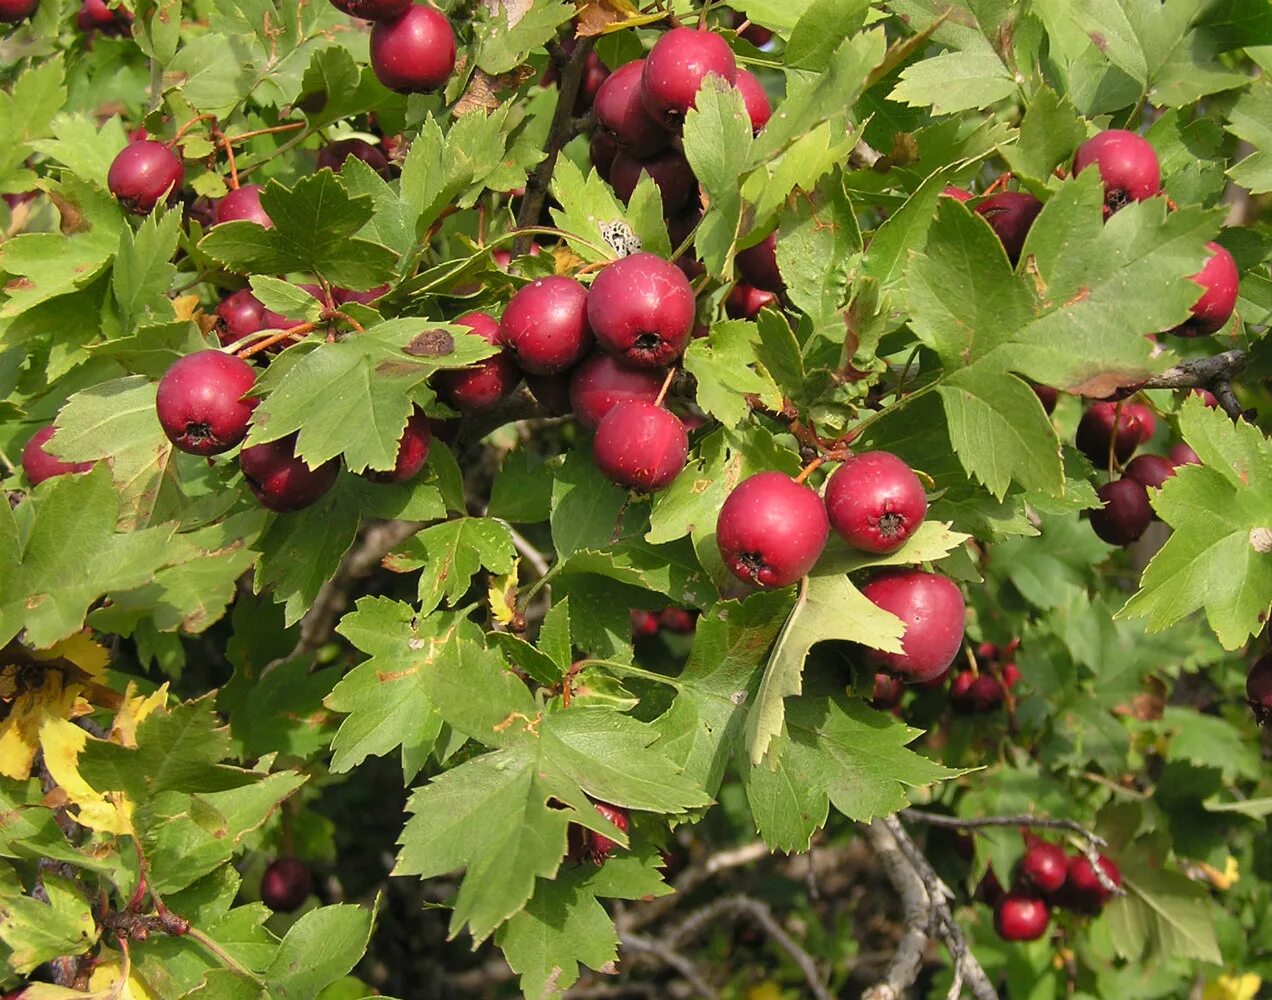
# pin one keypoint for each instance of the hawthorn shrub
(476, 469)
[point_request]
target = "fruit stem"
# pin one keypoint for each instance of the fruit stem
(290, 126)
(999, 182)
(189, 125)
(229, 157)
(264, 345)
(662, 393)
(337, 314)
(810, 468)
(702, 16)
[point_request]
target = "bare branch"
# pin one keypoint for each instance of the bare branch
(660, 951)
(904, 967)
(1199, 372)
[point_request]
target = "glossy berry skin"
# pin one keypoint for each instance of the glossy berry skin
(1182, 454)
(243, 205)
(1044, 866)
(545, 325)
(143, 173)
(201, 404)
(747, 302)
(281, 481)
(1047, 396)
(286, 884)
(343, 295)
(12, 11)
(242, 313)
(932, 609)
(887, 692)
(372, 10)
(1102, 424)
(1127, 163)
(1010, 215)
(758, 265)
(675, 69)
(1149, 470)
(669, 171)
(488, 381)
(332, 156)
(758, 107)
(415, 53)
(1083, 888)
(603, 381)
(640, 446)
(1206, 396)
(875, 502)
(641, 309)
(1220, 279)
(1258, 683)
(38, 465)
(603, 150)
(620, 110)
(1126, 513)
(412, 452)
(976, 694)
(94, 15)
(1021, 917)
(596, 846)
(771, 530)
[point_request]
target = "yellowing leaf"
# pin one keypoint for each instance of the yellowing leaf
(1224, 879)
(113, 979)
(133, 712)
(503, 596)
(1242, 987)
(37, 696)
(62, 743)
(80, 650)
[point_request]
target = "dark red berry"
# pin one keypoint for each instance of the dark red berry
(746, 302)
(243, 205)
(1206, 396)
(758, 265)
(39, 465)
(1082, 888)
(202, 402)
(1020, 917)
(887, 692)
(676, 67)
(1182, 454)
(94, 15)
(143, 174)
(286, 884)
(756, 34)
(551, 391)
(758, 107)
(989, 889)
(412, 451)
(1010, 215)
(620, 110)
(415, 53)
(771, 530)
(281, 480)
(875, 501)
(641, 309)
(332, 156)
(545, 325)
(640, 446)
(1149, 470)
(1126, 513)
(486, 382)
(12, 11)
(1220, 280)
(678, 620)
(933, 611)
(603, 149)
(242, 313)
(596, 846)
(976, 694)
(1011, 675)
(372, 10)
(603, 381)
(669, 171)
(1127, 164)
(1044, 867)
(344, 295)
(1096, 430)
(1258, 681)
(1047, 396)
(644, 624)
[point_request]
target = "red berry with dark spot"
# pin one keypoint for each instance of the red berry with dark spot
(372, 10)
(1082, 887)
(675, 68)
(414, 53)
(641, 309)
(603, 381)
(1126, 513)
(286, 884)
(887, 692)
(545, 325)
(1047, 396)
(758, 265)
(1258, 682)
(202, 402)
(1149, 470)
(1220, 281)
(1020, 917)
(281, 480)
(640, 446)
(243, 205)
(1182, 454)
(1044, 867)
(1010, 215)
(1127, 163)
(758, 107)
(771, 530)
(412, 452)
(596, 846)
(620, 110)
(933, 611)
(487, 382)
(747, 302)
(1102, 425)
(39, 465)
(875, 501)
(143, 174)
(12, 11)
(669, 171)
(332, 156)
(644, 624)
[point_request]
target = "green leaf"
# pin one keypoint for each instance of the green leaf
(956, 81)
(439, 169)
(815, 252)
(451, 553)
(1251, 119)
(27, 110)
(587, 203)
(37, 932)
(1164, 915)
(142, 271)
(1049, 135)
(820, 30)
(725, 364)
(522, 491)
(585, 506)
(319, 948)
(212, 75)
(717, 143)
(502, 47)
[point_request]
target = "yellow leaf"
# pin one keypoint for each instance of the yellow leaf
(185, 306)
(110, 979)
(1241, 987)
(1225, 879)
(767, 990)
(32, 707)
(62, 742)
(503, 596)
(80, 650)
(133, 712)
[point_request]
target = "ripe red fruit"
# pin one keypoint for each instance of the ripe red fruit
(243, 205)
(1020, 917)
(1044, 866)
(1258, 681)
(758, 265)
(201, 404)
(143, 173)
(488, 381)
(1010, 215)
(332, 156)
(678, 620)
(675, 68)
(887, 692)
(669, 171)
(545, 325)
(932, 609)
(1082, 888)
(1047, 396)
(372, 10)
(242, 313)
(1182, 454)
(957, 193)
(746, 302)
(603, 149)
(771, 530)
(640, 446)
(758, 107)
(94, 15)
(596, 846)
(641, 309)
(414, 53)
(12, 11)
(1011, 675)
(282, 481)
(1097, 428)
(603, 381)
(1220, 279)
(1207, 397)
(38, 465)
(875, 501)
(1149, 470)
(644, 624)
(620, 110)
(975, 694)
(286, 884)
(343, 295)
(412, 452)
(1126, 513)
(1127, 164)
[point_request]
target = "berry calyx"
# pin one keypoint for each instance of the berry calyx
(758, 107)
(1021, 917)
(1127, 163)
(486, 382)
(1258, 682)
(243, 205)
(546, 325)
(412, 452)
(933, 611)
(758, 265)
(1126, 513)
(621, 112)
(1219, 280)
(875, 501)
(641, 309)
(669, 171)
(372, 10)
(1083, 889)
(675, 69)
(771, 530)
(39, 465)
(1149, 470)
(143, 173)
(414, 53)
(202, 404)
(603, 381)
(640, 446)
(1044, 866)
(1010, 215)
(13, 11)
(332, 156)
(286, 884)
(282, 481)
(1102, 425)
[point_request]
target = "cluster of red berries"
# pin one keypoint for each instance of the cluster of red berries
(1046, 877)
(94, 16)
(678, 621)
(972, 692)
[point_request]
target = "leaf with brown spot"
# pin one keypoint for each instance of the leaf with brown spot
(430, 344)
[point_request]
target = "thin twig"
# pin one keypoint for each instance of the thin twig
(903, 970)
(1199, 372)
(660, 952)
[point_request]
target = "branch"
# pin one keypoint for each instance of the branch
(663, 953)
(1199, 372)
(904, 968)
(694, 876)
